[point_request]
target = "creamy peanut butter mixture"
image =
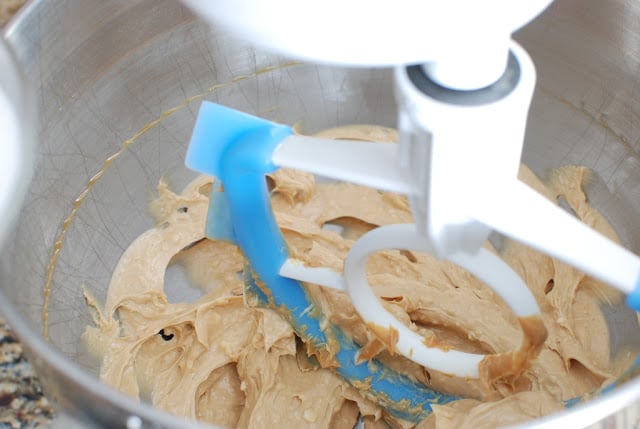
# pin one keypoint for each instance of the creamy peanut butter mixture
(223, 362)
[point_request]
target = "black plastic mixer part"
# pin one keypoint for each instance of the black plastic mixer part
(476, 97)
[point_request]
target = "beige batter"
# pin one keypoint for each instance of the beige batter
(223, 362)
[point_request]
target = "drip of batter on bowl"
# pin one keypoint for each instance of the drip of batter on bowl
(221, 361)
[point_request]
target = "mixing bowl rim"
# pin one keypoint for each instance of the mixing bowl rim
(42, 350)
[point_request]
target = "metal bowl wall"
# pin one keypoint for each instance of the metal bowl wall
(118, 85)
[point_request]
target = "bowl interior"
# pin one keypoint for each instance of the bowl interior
(119, 91)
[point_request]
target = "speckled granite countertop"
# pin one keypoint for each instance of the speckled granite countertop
(22, 403)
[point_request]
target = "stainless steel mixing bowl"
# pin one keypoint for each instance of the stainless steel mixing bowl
(118, 84)
(16, 140)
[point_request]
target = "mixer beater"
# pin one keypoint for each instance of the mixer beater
(462, 106)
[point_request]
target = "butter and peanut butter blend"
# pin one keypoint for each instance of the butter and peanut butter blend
(221, 361)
